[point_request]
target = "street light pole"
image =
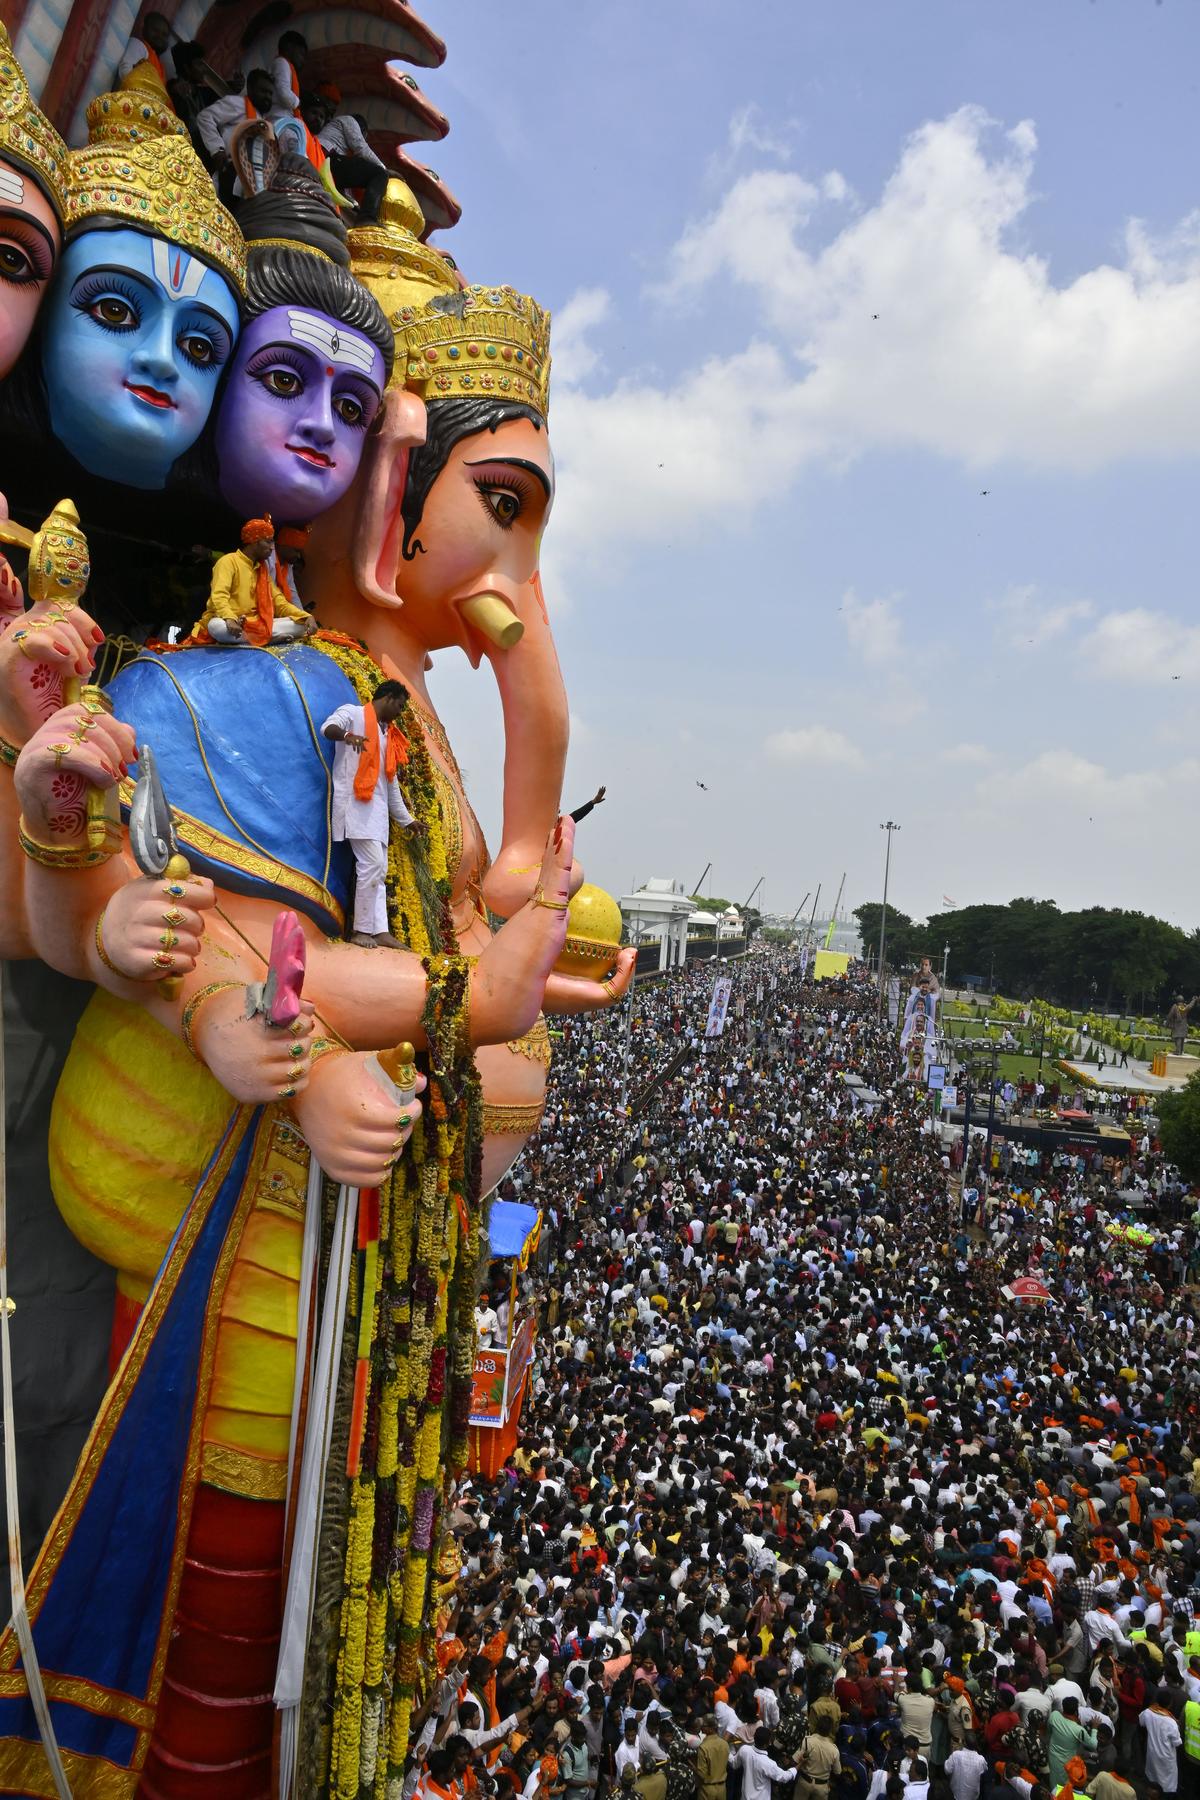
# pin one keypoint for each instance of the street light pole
(945, 961)
(626, 1037)
(987, 1154)
(887, 866)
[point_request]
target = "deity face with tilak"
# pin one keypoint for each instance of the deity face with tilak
(137, 332)
(303, 392)
(30, 238)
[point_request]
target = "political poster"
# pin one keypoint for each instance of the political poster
(719, 1006)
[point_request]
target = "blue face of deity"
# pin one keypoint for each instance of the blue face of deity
(136, 334)
(302, 394)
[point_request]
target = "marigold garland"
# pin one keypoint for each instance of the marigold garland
(421, 1338)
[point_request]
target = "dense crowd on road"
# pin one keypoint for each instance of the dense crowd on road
(803, 1502)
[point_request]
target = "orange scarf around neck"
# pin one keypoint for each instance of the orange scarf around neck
(395, 753)
(261, 622)
(1129, 1488)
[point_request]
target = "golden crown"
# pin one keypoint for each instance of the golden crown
(139, 165)
(389, 258)
(26, 135)
(478, 341)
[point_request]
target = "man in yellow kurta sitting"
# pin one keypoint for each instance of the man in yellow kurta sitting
(245, 606)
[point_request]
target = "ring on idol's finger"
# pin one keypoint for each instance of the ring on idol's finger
(172, 917)
(296, 1050)
(168, 939)
(175, 889)
(287, 1093)
(162, 959)
(298, 1024)
(58, 751)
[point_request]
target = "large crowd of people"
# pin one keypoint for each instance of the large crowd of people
(803, 1501)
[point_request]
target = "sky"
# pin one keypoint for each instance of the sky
(876, 415)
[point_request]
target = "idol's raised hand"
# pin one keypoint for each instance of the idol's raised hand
(509, 980)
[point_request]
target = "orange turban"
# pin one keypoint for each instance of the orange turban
(293, 537)
(254, 529)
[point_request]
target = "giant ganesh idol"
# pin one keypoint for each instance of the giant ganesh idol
(281, 1139)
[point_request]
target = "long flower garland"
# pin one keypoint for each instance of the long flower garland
(420, 1334)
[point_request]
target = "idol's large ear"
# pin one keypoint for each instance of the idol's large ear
(380, 528)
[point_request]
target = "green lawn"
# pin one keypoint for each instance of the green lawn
(1023, 1068)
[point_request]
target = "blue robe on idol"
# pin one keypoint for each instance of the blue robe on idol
(236, 736)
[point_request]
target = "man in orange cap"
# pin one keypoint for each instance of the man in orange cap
(244, 605)
(291, 541)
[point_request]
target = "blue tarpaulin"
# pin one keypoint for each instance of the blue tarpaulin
(510, 1226)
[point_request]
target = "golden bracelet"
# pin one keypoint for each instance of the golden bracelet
(193, 1006)
(324, 1046)
(539, 899)
(56, 856)
(9, 752)
(101, 952)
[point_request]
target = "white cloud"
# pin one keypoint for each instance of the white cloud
(814, 744)
(1029, 622)
(872, 628)
(970, 753)
(575, 358)
(921, 321)
(1143, 646)
(749, 131)
(1070, 787)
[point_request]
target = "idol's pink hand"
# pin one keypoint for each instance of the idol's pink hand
(509, 980)
(39, 650)
(148, 918)
(352, 1125)
(73, 751)
(253, 1061)
(578, 994)
(12, 598)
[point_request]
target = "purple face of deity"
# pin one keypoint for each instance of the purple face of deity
(302, 394)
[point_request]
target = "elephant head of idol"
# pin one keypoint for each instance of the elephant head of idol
(33, 164)
(144, 313)
(450, 508)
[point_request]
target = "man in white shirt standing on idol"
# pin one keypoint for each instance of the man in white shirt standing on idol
(370, 749)
(285, 76)
(150, 44)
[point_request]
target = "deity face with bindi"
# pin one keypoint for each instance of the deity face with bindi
(137, 333)
(32, 171)
(145, 311)
(30, 238)
(303, 392)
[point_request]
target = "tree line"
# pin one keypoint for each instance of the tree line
(1103, 957)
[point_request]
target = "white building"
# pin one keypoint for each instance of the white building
(660, 910)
